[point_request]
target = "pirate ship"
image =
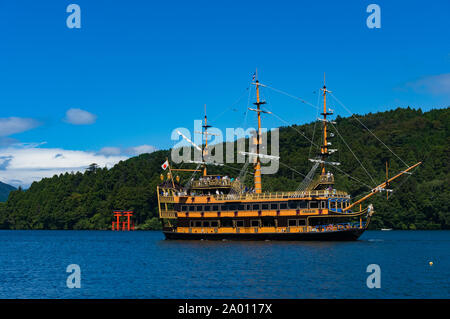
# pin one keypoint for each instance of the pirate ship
(215, 207)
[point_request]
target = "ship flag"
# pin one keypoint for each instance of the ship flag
(165, 165)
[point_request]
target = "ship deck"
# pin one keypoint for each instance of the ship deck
(257, 197)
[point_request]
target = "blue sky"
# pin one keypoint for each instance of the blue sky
(138, 69)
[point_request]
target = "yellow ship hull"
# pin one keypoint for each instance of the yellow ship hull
(338, 235)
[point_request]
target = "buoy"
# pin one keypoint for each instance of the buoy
(431, 263)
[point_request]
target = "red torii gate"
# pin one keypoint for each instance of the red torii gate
(126, 225)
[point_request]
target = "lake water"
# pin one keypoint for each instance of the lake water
(143, 265)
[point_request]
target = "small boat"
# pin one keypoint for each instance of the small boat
(386, 229)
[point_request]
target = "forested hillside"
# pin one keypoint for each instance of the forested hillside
(421, 201)
(5, 189)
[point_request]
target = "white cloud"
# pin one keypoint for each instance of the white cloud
(110, 151)
(434, 84)
(23, 163)
(20, 166)
(13, 125)
(137, 150)
(129, 151)
(80, 117)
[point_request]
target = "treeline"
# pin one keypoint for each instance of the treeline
(5, 189)
(420, 201)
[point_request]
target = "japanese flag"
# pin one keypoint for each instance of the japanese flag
(165, 165)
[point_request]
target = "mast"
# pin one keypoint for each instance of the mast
(325, 180)
(205, 150)
(258, 186)
(170, 172)
(324, 148)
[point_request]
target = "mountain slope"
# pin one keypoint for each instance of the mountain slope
(5, 189)
(420, 201)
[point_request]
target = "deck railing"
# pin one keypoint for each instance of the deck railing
(255, 196)
(167, 214)
(293, 195)
(213, 182)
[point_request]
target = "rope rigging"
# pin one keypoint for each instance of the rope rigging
(353, 115)
(308, 179)
(403, 182)
(354, 155)
(286, 122)
(312, 141)
(290, 95)
(187, 186)
(354, 178)
(315, 124)
(294, 170)
(243, 170)
(232, 105)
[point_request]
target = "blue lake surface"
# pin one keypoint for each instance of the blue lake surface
(142, 264)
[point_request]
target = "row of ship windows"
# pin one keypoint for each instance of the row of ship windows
(240, 223)
(256, 207)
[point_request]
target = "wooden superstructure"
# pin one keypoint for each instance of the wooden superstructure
(219, 207)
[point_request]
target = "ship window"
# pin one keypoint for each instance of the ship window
(265, 206)
(232, 207)
(255, 223)
(199, 208)
(227, 223)
(274, 206)
(249, 207)
(224, 207)
(239, 223)
(256, 207)
(303, 204)
(313, 205)
(292, 204)
(214, 224)
(283, 206)
(301, 222)
(207, 208)
(292, 222)
(323, 204)
(215, 208)
(206, 224)
(198, 223)
(241, 207)
(184, 208)
(268, 221)
(191, 208)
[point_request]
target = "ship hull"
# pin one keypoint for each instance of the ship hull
(340, 235)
